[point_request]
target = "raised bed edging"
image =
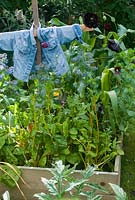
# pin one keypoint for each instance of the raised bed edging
(32, 176)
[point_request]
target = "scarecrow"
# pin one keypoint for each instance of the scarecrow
(43, 45)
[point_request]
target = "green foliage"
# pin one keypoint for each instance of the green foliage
(10, 175)
(14, 4)
(120, 193)
(69, 12)
(76, 117)
(14, 20)
(57, 119)
(109, 12)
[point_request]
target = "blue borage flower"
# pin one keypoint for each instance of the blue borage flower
(10, 70)
(1, 77)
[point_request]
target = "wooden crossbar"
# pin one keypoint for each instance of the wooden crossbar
(36, 25)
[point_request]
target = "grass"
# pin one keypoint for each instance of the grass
(128, 162)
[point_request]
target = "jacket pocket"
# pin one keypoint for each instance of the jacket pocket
(23, 44)
(52, 44)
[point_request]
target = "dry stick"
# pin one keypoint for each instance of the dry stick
(36, 25)
(12, 167)
(14, 181)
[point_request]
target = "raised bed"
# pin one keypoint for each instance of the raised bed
(32, 176)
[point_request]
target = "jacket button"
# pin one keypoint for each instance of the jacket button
(44, 44)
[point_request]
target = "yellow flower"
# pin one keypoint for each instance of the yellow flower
(14, 129)
(56, 94)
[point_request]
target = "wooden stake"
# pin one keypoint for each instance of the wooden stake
(36, 25)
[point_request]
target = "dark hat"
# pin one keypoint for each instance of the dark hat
(91, 20)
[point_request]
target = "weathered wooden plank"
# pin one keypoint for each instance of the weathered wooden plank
(32, 176)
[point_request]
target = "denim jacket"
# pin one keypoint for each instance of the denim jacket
(23, 44)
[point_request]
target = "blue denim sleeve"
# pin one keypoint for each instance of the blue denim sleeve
(7, 41)
(66, 34)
